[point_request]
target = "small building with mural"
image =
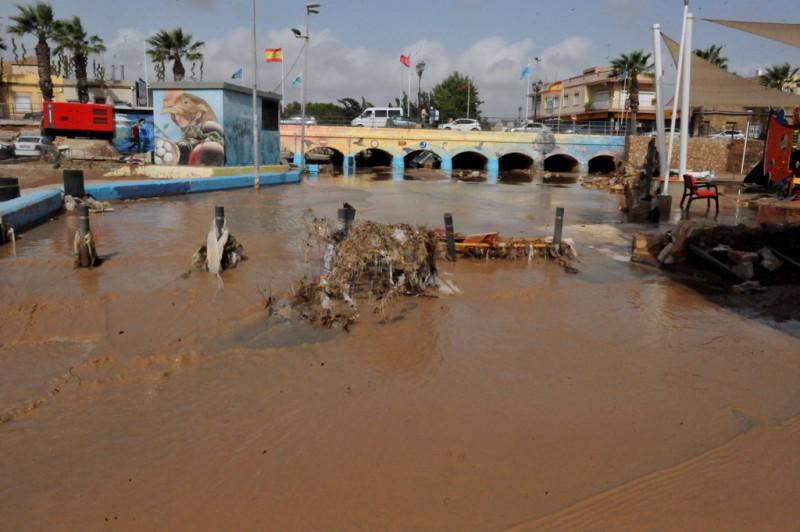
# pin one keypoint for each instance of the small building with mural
(211, 124)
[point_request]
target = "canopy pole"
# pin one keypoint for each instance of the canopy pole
(685, 107)
(677, 92)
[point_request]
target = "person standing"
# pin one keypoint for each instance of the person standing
(424, 116)
(432, 116)
(436, 118)
(136, 136)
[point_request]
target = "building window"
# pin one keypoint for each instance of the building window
(576, 98)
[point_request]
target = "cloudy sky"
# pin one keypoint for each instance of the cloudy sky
(356, 44)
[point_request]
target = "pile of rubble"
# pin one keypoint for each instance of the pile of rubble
(750, 256)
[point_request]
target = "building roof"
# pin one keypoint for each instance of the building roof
(712, 86)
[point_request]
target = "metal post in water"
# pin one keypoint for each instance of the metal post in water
(346, 215)
(219, 218)
(86, 252)
(559, 225)
(451, 240)
(83, 219)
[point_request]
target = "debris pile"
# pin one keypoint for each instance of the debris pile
(220, 252)
(750, 256)
(494, 245)
(372, 261)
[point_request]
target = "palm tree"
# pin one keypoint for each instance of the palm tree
(779, 77)
(38, 20)
(632, 66)
(72, 39)
(173, 46)
(712, 56)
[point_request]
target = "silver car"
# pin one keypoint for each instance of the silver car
(32, 146)
(462, 124)
(728, 134)
(532, 127)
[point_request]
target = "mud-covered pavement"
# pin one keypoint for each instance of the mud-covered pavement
(135, 396)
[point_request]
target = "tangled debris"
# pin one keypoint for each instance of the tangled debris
(220, 252)
(372, 261)
(377, 263)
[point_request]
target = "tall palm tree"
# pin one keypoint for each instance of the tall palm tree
(37, 20)
(73, 40)
(173, 46)
(712, 55)
(779, 77)
(632, 66)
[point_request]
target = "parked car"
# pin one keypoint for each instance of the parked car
(32, 116)
(728, 134)
(400, 121)
(676, 133)
(462, 124)
(6, 150)
(532, 127)
(31, 146)
(298, 120)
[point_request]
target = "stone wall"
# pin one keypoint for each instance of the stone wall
(722, 156)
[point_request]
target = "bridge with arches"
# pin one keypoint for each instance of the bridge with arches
(485, 151)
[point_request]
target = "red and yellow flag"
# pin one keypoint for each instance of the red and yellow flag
(555, 87)
(273, 55)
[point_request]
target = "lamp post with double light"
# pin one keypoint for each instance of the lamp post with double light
(310, 8)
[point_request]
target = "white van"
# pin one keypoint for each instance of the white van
(376, 116)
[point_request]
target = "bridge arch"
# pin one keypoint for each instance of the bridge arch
(515, 161)
(562, 162)
(470, 160)
(372, 157)
(604, 162)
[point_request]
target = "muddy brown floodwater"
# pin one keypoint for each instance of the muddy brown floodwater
(133, 397)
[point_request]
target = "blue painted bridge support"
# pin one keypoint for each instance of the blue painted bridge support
(349, 164)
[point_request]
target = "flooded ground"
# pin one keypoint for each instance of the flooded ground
(133, 396)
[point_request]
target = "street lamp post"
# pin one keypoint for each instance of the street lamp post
(420, 70)
(536, 88)
(310, 8)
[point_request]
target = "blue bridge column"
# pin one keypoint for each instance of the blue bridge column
(349, 164)
(583, 168)
(492, 169)
(447, 166)
(298, 159)
(398, 165)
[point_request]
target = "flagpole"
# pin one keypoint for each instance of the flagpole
(408, 97)
(527, 93)
(256, 179)
(283, 94)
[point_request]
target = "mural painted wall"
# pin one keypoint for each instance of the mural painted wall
(124, 121)
(187, 131)
(239, 130)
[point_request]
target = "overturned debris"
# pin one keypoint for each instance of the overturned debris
(749, 256)
(494, 245)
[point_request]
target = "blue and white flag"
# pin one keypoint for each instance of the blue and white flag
(623, 76)
(298, 80)
(525, 72)
(237, 74)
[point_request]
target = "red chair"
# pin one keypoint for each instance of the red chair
(693, 190)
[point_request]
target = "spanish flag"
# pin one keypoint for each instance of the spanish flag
(273, 55)
(555, 87)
